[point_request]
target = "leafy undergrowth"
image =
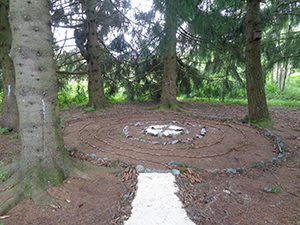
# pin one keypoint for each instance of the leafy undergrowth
(3, 130)
(243, 102)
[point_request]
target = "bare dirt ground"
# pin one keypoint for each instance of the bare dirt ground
(216, 197)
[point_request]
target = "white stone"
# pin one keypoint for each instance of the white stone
(154, 132)
(156, 127)
(156, 202)
(170, 133)
(172, 127)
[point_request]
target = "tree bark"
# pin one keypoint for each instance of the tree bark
(257, 104)
(92, 54)
(169, 89)
(43, 161)
(10, 114)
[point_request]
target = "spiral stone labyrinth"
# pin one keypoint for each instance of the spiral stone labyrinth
(156, 138)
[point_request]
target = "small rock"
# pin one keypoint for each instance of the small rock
(93, 156)
(140, 169)
(267, 189)
(174, 142)
(226, 191)
(280, 145)
(175, 172)
(179, 164)
(268, 133)
(231, 170)
(274, 159)
(126, 130)
(103, 158)
(203, 131)
(148, 170)
(137, 124)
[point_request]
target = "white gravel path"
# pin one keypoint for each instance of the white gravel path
(156, 202)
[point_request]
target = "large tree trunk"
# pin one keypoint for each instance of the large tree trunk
(10, 115)
(169, 89)
(257, 104)
(43, 161)
(93, 53)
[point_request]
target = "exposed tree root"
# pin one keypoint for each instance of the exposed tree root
(9, 169)
(34, 183)
(10, 198)
(174, 106)
(9, 177)
(9, 183)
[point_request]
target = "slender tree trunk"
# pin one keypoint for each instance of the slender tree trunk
(43, 161)
(95, 84)
(169, 89)
(285, 64)
(283, 75)
(257, 104)
(10, 114)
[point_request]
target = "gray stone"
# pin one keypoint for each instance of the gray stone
(274, 159)
(103, 158)
(175, 172)
(179, 164)
(174, 142)
(268, 133)
(267, 189)
(231, 170)
(280, 145)
(126, 130)
(93, 156)
(137, 124)
(148, 170)
(203, 131)
(140, 169)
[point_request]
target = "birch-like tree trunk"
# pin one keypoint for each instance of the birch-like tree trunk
(43, 161)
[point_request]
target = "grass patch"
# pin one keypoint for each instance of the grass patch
(117, 98)
(3, 130)
(3, 175)
(90, 109)
(275, 190)
(258, 165)
(214, 100)
(263, 123)
(13, 137)
(243, 102)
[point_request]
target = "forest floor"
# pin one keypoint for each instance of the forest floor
(230, 175)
